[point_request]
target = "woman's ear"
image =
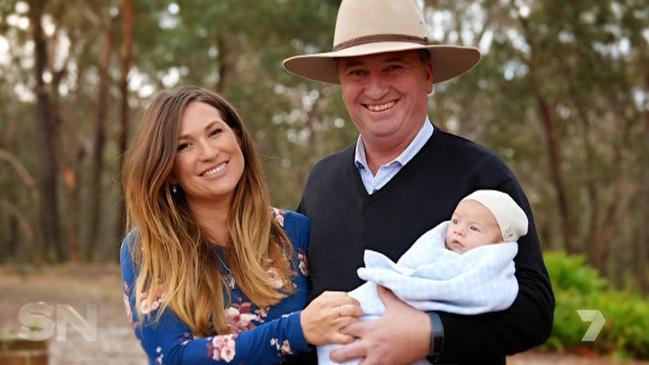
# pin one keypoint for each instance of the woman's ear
(172, 179)
(172, 184)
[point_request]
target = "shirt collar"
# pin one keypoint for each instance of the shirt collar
(360, 159)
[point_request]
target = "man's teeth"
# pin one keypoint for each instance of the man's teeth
(215, 170)
(380, 107)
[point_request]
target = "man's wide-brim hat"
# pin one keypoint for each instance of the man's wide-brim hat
(366, 27)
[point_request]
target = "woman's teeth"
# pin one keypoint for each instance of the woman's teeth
(214, 170)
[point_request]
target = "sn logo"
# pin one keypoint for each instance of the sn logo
(40, 321)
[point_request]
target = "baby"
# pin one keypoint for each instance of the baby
(456, 267)
(485, 217)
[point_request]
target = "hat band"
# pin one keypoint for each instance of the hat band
(375, 38)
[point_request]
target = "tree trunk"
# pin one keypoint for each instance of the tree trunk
(614, 212)
(19, 221)
(598, 248)
(549, 127)
(70, 165)
(70, 181)
(49, 212)
(642, 254)
(125, 57)
(16, 218)
(312, 145)
(12, 238)
(555, 161)
(227, 64)
(100, 139)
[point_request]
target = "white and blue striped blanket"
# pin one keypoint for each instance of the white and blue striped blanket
(430, 277)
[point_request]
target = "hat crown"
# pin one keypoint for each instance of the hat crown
(362, 19)
(370, 27)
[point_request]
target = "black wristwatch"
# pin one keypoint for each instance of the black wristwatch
(436, 338)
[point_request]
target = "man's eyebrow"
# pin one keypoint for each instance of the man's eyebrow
(350, 63)
(395, 58)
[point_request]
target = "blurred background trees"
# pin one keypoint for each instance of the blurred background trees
(562, 94)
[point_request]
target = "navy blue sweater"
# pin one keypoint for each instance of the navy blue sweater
(345, 220)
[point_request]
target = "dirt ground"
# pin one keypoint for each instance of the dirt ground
(99, 286)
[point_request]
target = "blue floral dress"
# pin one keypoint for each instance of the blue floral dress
(259, 335)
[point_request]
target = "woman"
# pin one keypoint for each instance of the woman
(211, 273)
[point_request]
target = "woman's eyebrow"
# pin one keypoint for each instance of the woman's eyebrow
(210, 125)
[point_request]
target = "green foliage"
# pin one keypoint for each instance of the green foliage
(577, 287)
(571, 274)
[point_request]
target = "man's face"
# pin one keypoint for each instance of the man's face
(471, 226)
(386, 95)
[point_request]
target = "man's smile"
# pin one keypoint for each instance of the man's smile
(380, 107)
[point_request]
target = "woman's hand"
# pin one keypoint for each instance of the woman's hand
(323, 318)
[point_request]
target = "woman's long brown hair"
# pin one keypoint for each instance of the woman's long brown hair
(171, 254)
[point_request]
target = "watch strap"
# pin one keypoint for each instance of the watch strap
(436, 337)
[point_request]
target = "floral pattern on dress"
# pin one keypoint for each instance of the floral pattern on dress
(283, 348)
(261, 314)
(184, 340)
(303, 263)
(239, 317)
(159, 356)
(151, 303)
(278, 216)
(275, 277)
(222, 347)
(127, 306)
(242, 314)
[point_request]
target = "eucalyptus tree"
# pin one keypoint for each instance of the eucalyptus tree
(561, 93)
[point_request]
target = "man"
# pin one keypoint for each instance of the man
(401, 178)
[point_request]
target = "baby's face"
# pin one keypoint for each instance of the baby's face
(472, 225)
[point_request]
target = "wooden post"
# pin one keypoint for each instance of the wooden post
(16, 351)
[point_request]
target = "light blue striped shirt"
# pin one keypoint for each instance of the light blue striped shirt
(386, 172)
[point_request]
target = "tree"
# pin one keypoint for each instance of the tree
(126, 55)
(105, 57)
(50, 120)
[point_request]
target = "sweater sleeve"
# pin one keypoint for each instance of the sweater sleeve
(170, 341)
(528, 322)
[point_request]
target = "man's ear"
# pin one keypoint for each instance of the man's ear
(431, 78)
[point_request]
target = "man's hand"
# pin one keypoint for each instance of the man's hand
(400, 336)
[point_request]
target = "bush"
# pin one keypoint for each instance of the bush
(578, 286)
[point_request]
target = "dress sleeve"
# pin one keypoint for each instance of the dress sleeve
(170, 341)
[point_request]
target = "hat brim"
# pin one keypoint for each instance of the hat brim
(447, 61)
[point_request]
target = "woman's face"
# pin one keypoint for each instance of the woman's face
(209, 162)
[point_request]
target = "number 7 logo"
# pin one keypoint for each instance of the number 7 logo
(597, 323)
